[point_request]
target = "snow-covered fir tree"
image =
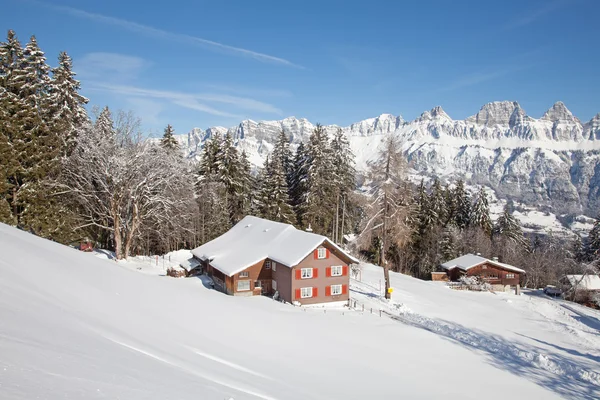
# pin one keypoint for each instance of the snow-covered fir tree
(437, 203)
(593, 242)
(36, 76)
(281, 153)
(274, 203)
(480, 216)
(67, 104)
(104, 124)
(320, 196)
(462, 202)
(507, 228)
(168, 140)
(299, 182)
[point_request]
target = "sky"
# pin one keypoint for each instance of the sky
(195, 63)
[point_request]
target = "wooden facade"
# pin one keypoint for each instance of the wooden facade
(495, 274)
(267, 277)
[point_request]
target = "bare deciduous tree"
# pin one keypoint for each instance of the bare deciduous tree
(121, 184)
(388, 209)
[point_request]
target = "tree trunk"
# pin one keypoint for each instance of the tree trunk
(117, 231)
(384, 264)
(131, 233)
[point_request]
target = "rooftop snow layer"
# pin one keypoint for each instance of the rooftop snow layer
(254, 239)
(469, 261)
(588, 282)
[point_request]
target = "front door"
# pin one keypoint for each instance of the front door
(265, 285)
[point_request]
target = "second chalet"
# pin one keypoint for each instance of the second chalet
(259, 256)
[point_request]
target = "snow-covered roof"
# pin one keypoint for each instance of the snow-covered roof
(588, 282)
(469, 261)
(254, 239)
(190, 264)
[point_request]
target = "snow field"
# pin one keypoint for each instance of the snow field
(76, 326)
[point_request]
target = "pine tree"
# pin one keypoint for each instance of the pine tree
(12, 63)
(481, 213)
(451, 206)
(36, 76)
(462, 200)
(67, 110)
(437, 203)
(507, 228)
(449, 243)
(104, 124)
(274, 200)
(211, 152)
(282, 153)
(168, 140)
(593, 243)
(320, 197)
(298, 183)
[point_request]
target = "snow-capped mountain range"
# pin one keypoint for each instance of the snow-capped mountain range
(551, 163)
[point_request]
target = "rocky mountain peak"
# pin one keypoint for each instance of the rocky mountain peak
(436, 112)
(496, 113)
(559, 113)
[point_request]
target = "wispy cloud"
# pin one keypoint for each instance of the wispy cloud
(249, 91)
(530, 18)
(193, 101)
(156, 32)
(110, 66)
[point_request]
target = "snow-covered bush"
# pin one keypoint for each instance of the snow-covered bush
(475, 283)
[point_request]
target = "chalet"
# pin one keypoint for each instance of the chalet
(589, 282)
(258, 256)
(498, 274)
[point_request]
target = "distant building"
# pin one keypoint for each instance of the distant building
(497, 274)
(589, 282)
(258, 256)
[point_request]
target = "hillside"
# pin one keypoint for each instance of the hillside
(548, 163)
(77, 326)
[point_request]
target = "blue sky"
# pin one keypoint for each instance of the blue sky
(194, 63)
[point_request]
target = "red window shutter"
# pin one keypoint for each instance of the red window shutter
(328, 272)
(298, 295)
(315, 272)
(316, 253)
(298, 273)
(345, 270)
(327, 291)
(326, 253)
(344, 289)
(315, 292)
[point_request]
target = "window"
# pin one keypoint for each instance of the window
(243, 285)
(336, 270)
(244, 274)
(267, 264)
(274, 284)
(510, 276)
(307, 273)
(257, 285)
(274, 266)
(321, 253)
(306, 292)
(336, 290)
(484, 267)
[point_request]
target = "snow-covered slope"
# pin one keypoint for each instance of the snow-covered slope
(551, 163)
(75, 326)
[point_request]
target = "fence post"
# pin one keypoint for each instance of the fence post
(380, 313)
(371, 310)
(363, 308)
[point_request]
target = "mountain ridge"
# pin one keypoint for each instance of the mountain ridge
(552, 162)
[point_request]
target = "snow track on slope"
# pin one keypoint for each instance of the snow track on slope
(493, 345)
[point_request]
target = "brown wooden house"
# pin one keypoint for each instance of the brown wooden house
(491, 271)
(258, 256)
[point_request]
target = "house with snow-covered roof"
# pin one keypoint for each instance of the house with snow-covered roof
(491, 271)
(259, 256)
